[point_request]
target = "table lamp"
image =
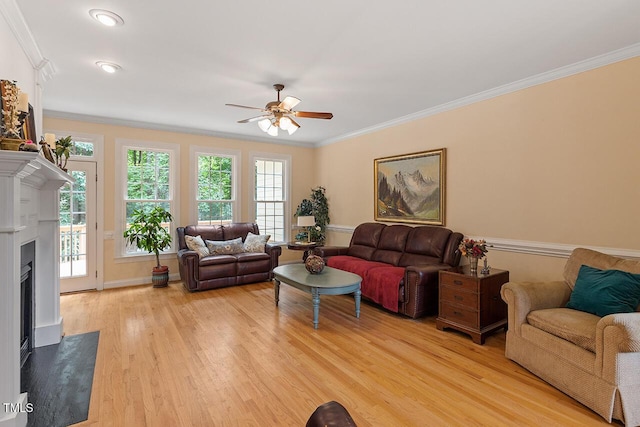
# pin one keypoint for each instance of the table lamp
(307, 221)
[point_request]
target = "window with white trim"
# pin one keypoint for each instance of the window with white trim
(216, 183)
(271, 195)
(148, 178)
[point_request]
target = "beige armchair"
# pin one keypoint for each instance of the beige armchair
(595, 360)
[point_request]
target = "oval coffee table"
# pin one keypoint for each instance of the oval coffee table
(330, 281)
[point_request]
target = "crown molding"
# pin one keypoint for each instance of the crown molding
(548, 76)
(167, 128)
(12, 14)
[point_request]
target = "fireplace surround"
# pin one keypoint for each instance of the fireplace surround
(29, 215)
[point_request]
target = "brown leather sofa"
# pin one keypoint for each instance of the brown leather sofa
(398, 264)
(217, 271)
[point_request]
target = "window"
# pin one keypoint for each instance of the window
(148, 179)
(215, 189)
(216, 178)
(270, 196)
(82, 148)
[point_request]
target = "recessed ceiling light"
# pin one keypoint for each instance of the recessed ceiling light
(109, 67)
(106, 17)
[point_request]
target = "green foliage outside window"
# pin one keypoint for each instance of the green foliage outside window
(215, 190)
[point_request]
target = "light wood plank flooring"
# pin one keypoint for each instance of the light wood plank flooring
(229, 357)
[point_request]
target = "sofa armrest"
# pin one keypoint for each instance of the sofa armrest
(328, 251)
(421, 289)
(188, 264)
(274, 251)
(618, 349)
(524, 297)
(619, 331)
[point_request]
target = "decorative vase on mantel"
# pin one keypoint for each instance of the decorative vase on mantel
(11, 144)
(473, 265)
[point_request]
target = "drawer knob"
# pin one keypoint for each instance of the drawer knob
(457, 313)
(457, 282)
(458, 297)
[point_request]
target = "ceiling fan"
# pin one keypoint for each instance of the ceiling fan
(279, 114)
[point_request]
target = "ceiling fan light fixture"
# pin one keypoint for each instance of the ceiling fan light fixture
(285, 123)
(108, 67)
(273, 131)
(292, 128)
(264, 125)
(106, 17)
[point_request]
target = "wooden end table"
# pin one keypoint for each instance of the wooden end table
(307, 247)
(472, 303)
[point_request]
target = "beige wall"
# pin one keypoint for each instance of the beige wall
(119, 272)
(555, 163)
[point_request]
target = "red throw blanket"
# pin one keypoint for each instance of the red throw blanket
(380, 281)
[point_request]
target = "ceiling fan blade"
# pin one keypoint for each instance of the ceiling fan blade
(244, 106)
(253, 119)
(294, 122)
(289, 102)
(312, 115)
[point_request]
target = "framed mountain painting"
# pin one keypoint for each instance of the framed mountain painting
(411, 188)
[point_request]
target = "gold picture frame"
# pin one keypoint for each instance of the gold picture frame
(411, 188)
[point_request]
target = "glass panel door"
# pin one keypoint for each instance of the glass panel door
(78, 229)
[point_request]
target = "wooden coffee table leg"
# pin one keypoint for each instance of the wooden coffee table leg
(357, 296)
(316, 306)
(276, 289)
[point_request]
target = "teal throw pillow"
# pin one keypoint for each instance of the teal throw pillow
(603, 292)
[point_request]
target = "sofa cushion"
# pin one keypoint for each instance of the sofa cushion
(256, 242)
(603, 292)
(225, 247)
(195, 243)
(207, 232)
(391, 244)
(364, 240)
(238, 229)
(574, 326)
(425, 245)
(217, 260)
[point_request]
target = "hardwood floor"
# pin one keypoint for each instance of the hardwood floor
(229, 357)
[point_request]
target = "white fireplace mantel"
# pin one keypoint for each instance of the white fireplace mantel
(29, 212)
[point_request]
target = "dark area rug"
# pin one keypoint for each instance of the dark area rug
(58, 379)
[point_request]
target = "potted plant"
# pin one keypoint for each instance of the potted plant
(63, 151)
(147, 233)
(317, 206)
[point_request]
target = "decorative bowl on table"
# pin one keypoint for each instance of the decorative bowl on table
(314, 264)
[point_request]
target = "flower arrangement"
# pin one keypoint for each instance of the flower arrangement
(473, 248)
(11, 124)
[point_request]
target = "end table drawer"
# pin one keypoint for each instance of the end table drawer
(456, 296)
(459, 315)
(458, 281)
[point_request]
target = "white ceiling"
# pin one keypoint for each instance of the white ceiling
(369, 62)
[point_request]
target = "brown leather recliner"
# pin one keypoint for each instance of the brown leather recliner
(217, 271)
(412, 255)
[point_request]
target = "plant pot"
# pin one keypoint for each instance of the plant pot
(160, 278)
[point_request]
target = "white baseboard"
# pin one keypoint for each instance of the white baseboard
(48, 334)
(550, 249)
(136, 281)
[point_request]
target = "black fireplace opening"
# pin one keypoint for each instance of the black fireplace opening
(27, 300)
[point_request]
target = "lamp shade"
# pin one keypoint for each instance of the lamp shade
(306, 221)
